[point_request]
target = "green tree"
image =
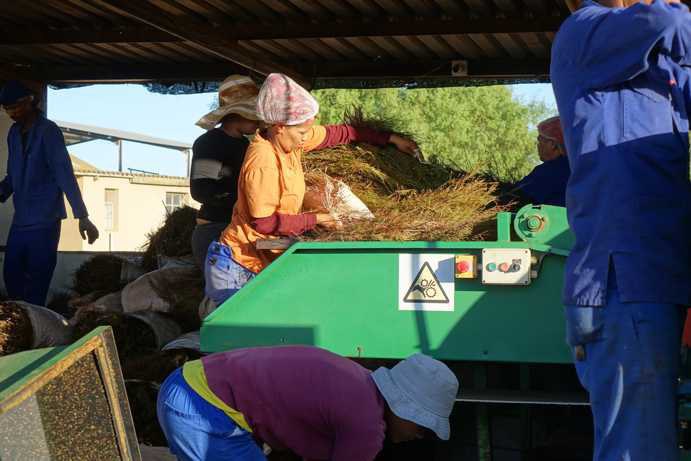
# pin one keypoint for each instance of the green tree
(481, 129)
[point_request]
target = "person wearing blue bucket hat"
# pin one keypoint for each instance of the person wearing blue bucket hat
(418, 390)
(302, 399)
(39, 172)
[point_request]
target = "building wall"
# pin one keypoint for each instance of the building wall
(140, 209)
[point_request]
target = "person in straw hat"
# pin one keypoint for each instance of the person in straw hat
(217, 157)
(301, 399)
(271, 186)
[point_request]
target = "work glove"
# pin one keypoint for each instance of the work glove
(87, 230)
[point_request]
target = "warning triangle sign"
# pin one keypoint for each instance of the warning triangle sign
(426, 288)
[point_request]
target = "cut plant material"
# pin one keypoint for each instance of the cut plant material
(24, 326)
(172, 239)
(16, 334)
(98, 274)
(409, 200)
(142, 333)
(176, 291)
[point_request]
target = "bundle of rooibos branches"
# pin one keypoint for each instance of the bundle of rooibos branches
(410, 199)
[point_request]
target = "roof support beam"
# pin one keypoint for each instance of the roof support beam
(113, 34)
(122, 73)
(218, 45)
(486, 68)
(160, 29)
(479, 69)
(384, 27)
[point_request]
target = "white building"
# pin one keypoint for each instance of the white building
(125, 207)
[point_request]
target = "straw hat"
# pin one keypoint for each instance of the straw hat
(236, 95)
(420, 389)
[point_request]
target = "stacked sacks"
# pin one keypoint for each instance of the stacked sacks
(143, 377)
(150, 309)
(24, 326)
(176, 291)
(172, 239)
(139, 333)
(99, 274)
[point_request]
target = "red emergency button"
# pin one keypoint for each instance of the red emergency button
(462, 267)
(465, 266)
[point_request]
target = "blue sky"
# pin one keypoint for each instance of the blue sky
(133, 108)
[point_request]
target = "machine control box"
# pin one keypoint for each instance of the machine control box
(506, 266)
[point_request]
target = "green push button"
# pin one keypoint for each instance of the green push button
(491, 267)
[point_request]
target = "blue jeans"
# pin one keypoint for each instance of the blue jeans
(223, 277)
(197, 430)
(629, 364)
(30, 258)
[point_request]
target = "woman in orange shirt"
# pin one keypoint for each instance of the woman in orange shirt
(272, 184)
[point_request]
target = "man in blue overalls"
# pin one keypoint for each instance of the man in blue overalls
(39, 171)
(546, 184)
(622, 89)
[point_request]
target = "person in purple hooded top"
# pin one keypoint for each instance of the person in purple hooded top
(301, 399)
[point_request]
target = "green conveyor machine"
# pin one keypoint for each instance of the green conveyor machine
(490, 309)
(493, 301)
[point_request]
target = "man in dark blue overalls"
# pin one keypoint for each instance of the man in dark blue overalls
(622, 88)
(546, 184)
(39, 171)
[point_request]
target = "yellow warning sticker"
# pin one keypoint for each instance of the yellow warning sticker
(426, 282)
(426, 288)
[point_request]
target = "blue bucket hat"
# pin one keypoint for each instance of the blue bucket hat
(12, 92)
(420, 389)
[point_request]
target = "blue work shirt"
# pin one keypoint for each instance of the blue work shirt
(546, 184)
(623, 96)
(38, 175)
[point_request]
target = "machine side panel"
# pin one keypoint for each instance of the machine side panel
(346, 300)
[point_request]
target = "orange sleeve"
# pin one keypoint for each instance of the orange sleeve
(316, 136)
(263, 192)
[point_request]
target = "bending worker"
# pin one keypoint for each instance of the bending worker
(271, 185)
(39, 172)
(622, 94)
(302, 399)
(217, 158)
(546, 184)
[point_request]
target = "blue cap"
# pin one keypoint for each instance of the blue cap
(12, 92)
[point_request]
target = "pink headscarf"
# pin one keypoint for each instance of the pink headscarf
(551, 129)
(281, 101)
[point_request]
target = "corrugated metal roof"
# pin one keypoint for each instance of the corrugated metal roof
(82, 165)
(76, 133)
(82, 168)
(317, 41)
